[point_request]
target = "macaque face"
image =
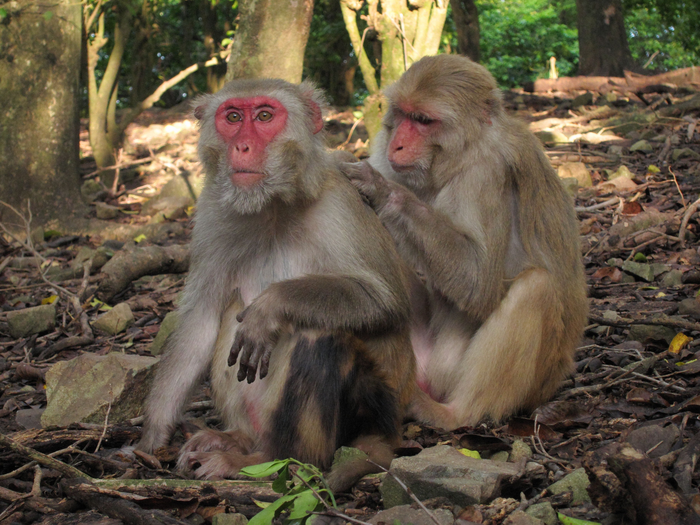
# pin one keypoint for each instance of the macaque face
(248, 126)
(408, 147)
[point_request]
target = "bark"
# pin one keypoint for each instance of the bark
(602, 39)
(270, 39)
(466, 17)
(39, 108)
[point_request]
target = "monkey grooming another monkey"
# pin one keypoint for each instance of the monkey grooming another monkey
(475, 208)
(294, 277)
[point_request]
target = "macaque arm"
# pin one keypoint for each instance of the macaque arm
(456, 260)
(189, 350)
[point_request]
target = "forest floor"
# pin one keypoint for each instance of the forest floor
(629, 415)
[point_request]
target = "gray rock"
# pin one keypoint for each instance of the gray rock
(672, 278)
(642, 145)
(105, 211)
(521, 518)
(406, 514)
(570, 184)
(616, 149)
(30, 321)
(82, 389)
(690, 307)
(92, 190)
(229, 519)
(501, 455)
(654, 438)
(183, 186)
(443, 471)
(576, 170)
(115, 321)
(645, 271)
(173, 207)
(586, 99)
(577, 481)
(29, 417)
(167, 327)
(519, 451)
(647, 332)
(622, 171)
(543, 511)
(679, 153)
(99, 258)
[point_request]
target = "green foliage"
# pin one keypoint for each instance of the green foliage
(517, 39)
(299, 486)
(653, 32)
(3, 14)
(679, 18)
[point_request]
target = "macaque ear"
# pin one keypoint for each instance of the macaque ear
(315, 102)
(199, 112)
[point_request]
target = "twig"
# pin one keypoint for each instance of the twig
(686, 217)
(119, 165)
(337, 514)
(409, 492)
(36, 485)
(659, 321)
(677, 186)
(31, 464)
(104, 430)
(350, 134)
(600, 205)
(67, 470)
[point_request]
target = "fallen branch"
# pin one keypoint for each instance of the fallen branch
(42, 459)
(658, 321)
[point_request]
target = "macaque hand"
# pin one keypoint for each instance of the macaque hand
(369, 182)
(255, 338)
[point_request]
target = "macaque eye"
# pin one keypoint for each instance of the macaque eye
(264, 116)
(421, 119)
(233, 117)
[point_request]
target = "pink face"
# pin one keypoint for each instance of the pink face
(408, 141)
(248, 125)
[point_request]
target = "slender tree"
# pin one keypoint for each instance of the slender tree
(466, 18)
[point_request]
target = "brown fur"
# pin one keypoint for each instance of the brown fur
(298, 272)
(483, 219)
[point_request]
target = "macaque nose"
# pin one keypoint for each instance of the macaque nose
(242, 147)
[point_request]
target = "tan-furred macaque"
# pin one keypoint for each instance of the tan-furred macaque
(293, 275)
(476, 209)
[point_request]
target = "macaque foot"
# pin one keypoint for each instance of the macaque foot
(213, 454)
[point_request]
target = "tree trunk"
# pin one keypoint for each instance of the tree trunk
(466, 17)
(39, 105)
(406, 35)
(216, 75)
(270, 39)
(602, 41)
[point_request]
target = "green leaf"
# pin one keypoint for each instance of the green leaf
(280, 484)
(3, 14)
(566, 520)
(265, 516)
(304, 503)
(265, 469)
(48, 15)
(139, 238)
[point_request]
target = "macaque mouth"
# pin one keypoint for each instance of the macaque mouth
(246, 179)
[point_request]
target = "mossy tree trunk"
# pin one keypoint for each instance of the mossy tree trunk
(39, 108)
(466, 17)
(407, 30)
(270, 39)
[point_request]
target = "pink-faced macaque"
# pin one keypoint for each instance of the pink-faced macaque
(475, 208)
(296, 302)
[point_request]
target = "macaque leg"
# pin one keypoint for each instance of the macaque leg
(516, 359)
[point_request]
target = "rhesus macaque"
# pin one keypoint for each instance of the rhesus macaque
(476, 209)
(293, 276)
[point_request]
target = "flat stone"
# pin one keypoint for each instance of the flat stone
(30, 321)
(170, 322)
(82, 389)
(656, 438)
(690, 307)
(543, 511)
(116, 320)
(105, 211)
(672, 278)
(644, 271)
(443, 471)
(586, 99)
(622, 171)
(577, 481)
(519, 451)
(229, 519)
(407, 514)
(647, 332)
(521, 518)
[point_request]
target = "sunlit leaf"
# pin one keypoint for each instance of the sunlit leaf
(48, 15)
(265, 469)
(304, 503)
(566, 520)
(49, 300)
(470, 453)
(139, 238)
(3, 14)
(679, 342)
(653, 169)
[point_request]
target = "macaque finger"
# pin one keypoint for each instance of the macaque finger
(241, 316)
(235, 349)
(254, 361)
(265, 363)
